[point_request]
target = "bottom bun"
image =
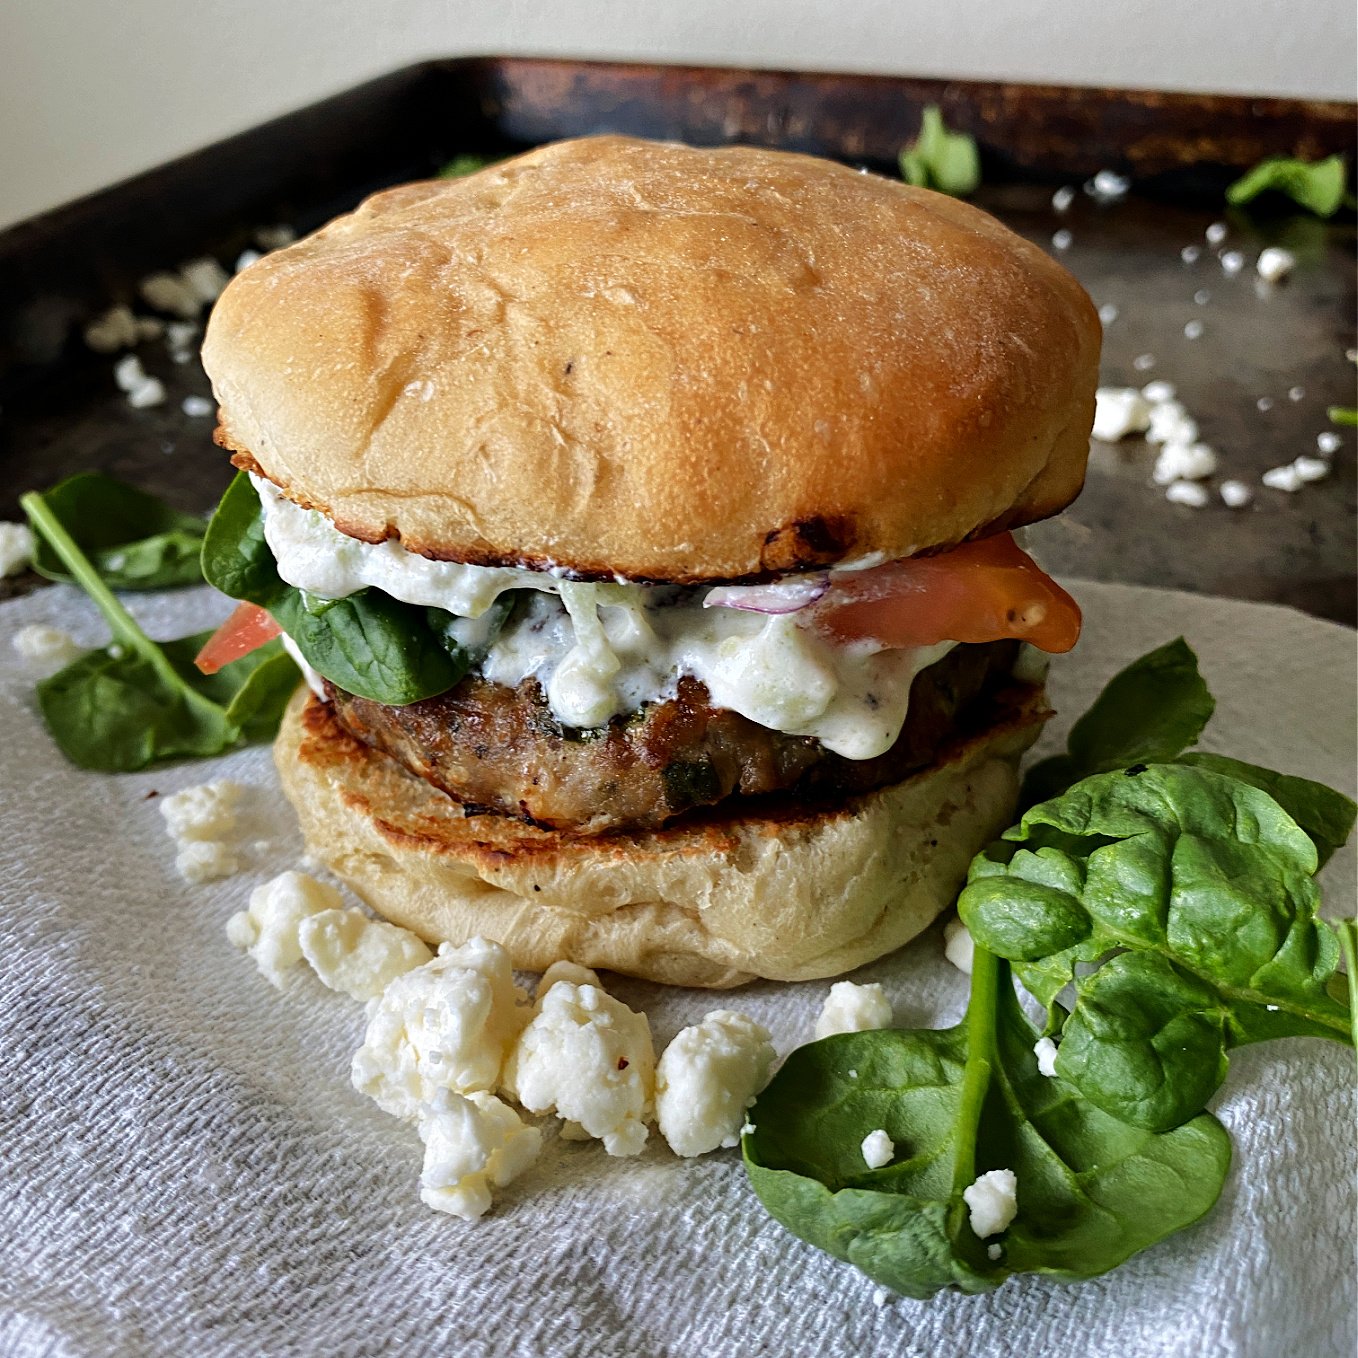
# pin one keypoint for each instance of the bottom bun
(789, 895)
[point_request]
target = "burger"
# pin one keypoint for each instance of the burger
(643, 519)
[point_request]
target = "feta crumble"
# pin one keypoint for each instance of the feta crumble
(1045, 1051)
(205, 278)
(208, 811)
(1329, 442)
(958, 946)
(706, 1079)
(1311, 468)
(1274, 264)
(1183, 462)
(994, 1252)
(1119, 411)
(1063, 239)
(16, 548)
(1170, 422)
(1188, 493)
(1296, 393)
(1143, 362)
(1194, 330)
(1108, 186)
(992, 1202)
(1216, 233)
(115, 329)
(170, 292)
(472, 1143)
(878, 1149)
(1063, 198)
(206, 860)
(360, 956)
(47, 648)
(1108, 313)
(1159, 391)
(1190, 254)
(444, 1025)
(196, 407)
(851, 1008)
(1283, 478)
(589, 1058)
(1232, 261)
(268, 928)
(1235, 494)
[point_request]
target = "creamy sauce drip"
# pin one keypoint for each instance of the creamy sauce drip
(600, 650)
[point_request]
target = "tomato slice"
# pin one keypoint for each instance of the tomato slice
(981, 591)
(246, 630)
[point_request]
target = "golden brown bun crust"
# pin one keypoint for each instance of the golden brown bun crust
(712, 903)
(674, 364)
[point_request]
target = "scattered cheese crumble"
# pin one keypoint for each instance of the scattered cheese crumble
(444, 1025)
(706, 1079)
(589, 1058)
(1045, 1051)
(357, 955)
(268, 929)
(878, 1149)
(1274, 264)
(851, 1008)
(208, 811)
(1119, 411)
(958, 947)
(16, 548)
(992, 1202)
(471, 1143)
(206, 860)
(47, 647)
(203, 821)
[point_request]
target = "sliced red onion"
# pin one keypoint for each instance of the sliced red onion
(783, 596)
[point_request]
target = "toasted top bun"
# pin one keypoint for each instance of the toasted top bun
(623, 357)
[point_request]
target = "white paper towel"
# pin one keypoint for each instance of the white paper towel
(187, 1171)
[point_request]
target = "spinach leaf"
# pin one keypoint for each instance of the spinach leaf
(466, 163)
(1347, 933)
(1207, 884)
(1327, 816)
(1150, 711)
(368, 643)
(1092, 1190)
(132, 539)
(135, 701)
(1318, 186)
(942, 160)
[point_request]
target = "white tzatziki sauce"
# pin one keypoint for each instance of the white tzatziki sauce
(602, 649)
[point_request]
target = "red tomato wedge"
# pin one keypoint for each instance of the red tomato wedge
(980, 591)
(246, 630)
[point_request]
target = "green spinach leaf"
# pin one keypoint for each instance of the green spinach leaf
(1327, 816)
(136, 701)
(1207, 886)
(1318, 186)
(1092, 1190)
(464, 164)
(940, 159)
(368, 643)
(1148, 712)
(132, 539)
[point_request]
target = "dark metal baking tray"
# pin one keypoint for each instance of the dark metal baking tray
(62, 411)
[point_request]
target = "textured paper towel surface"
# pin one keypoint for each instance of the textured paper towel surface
(184, 1168)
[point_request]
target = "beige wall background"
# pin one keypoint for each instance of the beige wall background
(94, 90)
